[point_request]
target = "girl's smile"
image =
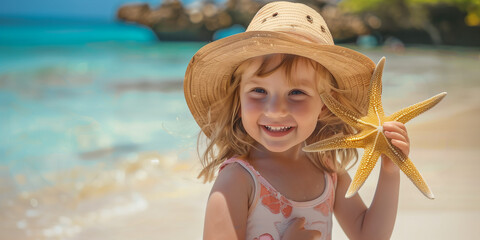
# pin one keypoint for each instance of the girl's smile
(279, 111)
(277, 131)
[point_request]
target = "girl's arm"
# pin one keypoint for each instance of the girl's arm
(377, 221)
(227, 206)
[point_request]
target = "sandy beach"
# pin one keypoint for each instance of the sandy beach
(153, 196)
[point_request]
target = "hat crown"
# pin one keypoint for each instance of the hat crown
(293, 18)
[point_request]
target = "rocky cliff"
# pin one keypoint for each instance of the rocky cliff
(171, 21)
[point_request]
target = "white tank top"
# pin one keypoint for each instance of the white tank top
(271, 213)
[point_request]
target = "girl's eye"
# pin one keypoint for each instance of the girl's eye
(257, 93)
(296, 92)
(259, 90)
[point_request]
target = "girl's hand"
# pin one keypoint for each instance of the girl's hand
(297, 231)
(396, 132)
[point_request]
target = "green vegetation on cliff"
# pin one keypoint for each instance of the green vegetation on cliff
(417, 8)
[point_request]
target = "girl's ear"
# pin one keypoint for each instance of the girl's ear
(323, 112)
(239, 114)
(324, 108)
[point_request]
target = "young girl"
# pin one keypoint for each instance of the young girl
(256, 97)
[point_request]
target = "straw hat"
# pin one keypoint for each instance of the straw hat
(278, 27)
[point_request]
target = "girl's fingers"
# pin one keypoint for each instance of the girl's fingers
(297, 231)
(298, 223)
(403, 146)
(396, 127)
(315, 235)
(395, 136)
(395, 123)
(396, 132)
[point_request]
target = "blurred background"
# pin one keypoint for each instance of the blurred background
(97, 142)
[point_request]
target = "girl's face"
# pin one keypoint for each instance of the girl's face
(277, 114)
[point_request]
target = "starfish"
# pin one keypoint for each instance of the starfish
(370, 134)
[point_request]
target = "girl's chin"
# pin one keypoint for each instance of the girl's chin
(280, 148)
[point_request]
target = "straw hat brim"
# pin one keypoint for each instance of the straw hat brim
(210, 70)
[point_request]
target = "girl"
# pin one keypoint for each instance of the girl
(256, 97)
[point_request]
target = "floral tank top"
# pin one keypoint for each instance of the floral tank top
(271, 213)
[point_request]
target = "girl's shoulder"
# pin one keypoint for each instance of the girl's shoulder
(228, 200)
(234, 168)
(239, 161)
(236, 172)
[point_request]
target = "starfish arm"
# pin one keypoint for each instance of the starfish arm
(392, 151)
(345, 114)
(366, 166)
(340, 142)
(375, 91)
(414, 110)
(412, 173)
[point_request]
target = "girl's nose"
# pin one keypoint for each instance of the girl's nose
(276, 107)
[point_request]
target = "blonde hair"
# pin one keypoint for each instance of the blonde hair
(228, 138)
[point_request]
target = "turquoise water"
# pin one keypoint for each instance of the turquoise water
(81, 93)
(36, 31)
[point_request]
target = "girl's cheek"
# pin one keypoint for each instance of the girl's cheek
(251, 105)
(303, 108)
